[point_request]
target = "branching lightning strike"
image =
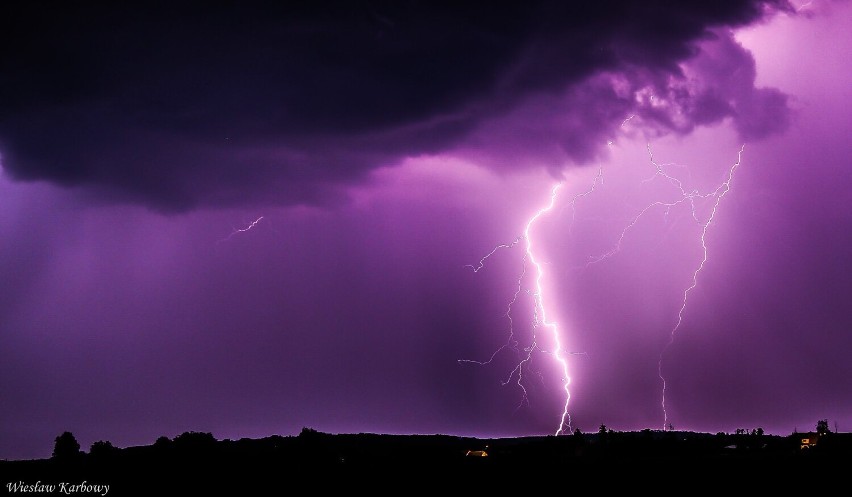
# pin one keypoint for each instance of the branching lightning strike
(717, 195)
(539, 313)
(688, 197)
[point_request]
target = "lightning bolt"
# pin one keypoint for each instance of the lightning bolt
(540, 315)
(540, 319)
(237, 231)
(718, 195)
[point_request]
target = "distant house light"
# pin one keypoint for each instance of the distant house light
(810, 441)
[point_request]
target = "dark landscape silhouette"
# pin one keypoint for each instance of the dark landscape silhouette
(197, 461)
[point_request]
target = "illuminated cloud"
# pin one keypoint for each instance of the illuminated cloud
(256, 103)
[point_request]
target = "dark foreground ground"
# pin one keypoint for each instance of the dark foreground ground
(682, 463)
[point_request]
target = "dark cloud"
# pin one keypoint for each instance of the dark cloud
(176, 106)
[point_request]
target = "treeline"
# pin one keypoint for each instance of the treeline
(196, 462)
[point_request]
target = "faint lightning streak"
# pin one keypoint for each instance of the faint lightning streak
(481, 262)
(598, 178)
(660, 172)
(617, 247)
(685, 196)
(719, 193)
(803, 6)
(237, 231)
(510, 342)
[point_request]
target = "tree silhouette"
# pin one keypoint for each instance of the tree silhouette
(822, 427)
(102, 448)
(308, 432)
(163, 442)
(195, 442)
(66, 446)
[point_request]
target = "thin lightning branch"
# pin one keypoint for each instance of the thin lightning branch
(685, 196)
(510, 342)
(237, 231)
(481, 262)
(803, 6)
(719, 193)
(617, 247)
(661, 173)
(598, 178)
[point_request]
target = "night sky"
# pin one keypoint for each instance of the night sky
(246, 218)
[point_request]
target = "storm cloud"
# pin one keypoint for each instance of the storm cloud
(235, 104)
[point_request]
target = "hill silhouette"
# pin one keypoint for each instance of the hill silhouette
(196, 462)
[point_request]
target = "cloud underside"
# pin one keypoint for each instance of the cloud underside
(182, 107)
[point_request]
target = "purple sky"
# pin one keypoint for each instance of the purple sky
(387, 146)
